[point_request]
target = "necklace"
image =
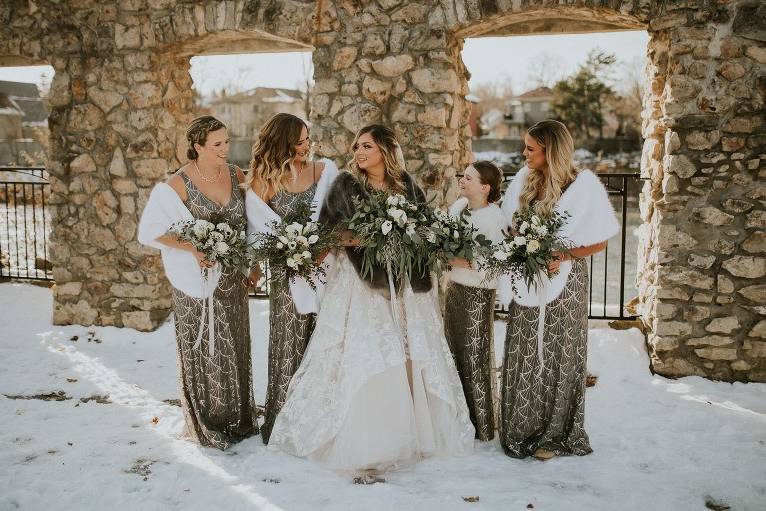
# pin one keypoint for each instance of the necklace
(205, 178)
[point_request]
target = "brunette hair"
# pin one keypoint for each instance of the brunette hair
(198, 131)
(274, 151)
(385, 138)
(490, 175)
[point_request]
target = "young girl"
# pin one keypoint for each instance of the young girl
(470, 299)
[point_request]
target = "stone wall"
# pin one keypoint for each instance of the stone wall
(701, 276)
(121, 97)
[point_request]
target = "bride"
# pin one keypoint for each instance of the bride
(377, 387)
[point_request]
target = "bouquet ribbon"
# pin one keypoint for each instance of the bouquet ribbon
(210, 277)
(541, 289)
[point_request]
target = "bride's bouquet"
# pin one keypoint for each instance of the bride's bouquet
(294, 246)
(453, 237)
(526, 252)
(391, 230)
(220, 241)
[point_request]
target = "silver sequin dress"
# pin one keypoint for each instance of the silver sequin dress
(216, 391)
(289, 331)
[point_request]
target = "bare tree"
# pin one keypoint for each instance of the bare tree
(494, 94)
(545, 70)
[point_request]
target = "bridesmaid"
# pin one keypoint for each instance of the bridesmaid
(543, 397)
(470, 299)
(281, 178)
(216, 388)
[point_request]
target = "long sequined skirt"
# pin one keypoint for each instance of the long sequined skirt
(468, 326)
(216, 391)
(547, 411)
(289, 334)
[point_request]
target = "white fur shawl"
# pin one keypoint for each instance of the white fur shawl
(260, 215)
(164, 209)
(592, 220)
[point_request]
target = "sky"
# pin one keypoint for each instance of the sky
(493, 59)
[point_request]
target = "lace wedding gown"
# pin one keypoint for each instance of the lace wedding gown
(350, 405)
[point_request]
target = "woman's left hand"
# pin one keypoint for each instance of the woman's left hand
(553, 266)
(460, 262)
(254, 277)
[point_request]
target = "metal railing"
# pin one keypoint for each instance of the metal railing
(24, 223)
(25, 231)
(609, 290)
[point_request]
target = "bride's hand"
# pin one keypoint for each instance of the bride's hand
(347, 239)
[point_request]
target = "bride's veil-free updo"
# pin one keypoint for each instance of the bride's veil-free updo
(393, 158)
(197, 132)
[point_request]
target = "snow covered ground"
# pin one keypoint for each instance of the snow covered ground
(659, 444)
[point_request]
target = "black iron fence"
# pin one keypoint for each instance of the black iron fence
(24, 223)
(25, 230)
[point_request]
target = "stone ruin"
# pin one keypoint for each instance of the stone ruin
(122, 95)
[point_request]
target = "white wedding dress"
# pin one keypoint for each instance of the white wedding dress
(350, 404)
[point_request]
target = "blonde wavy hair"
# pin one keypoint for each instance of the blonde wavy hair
(273, 152)
(393, 159)
(546, 185)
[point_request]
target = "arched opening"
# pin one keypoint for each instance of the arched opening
(572, 71)
(25, 216)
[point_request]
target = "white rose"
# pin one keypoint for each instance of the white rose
(283, 239)
(313, 239)
(221, 247)
(500, 255)
(386, 227)
(291, 263)
(519, 241)
(533, 247)
(398, 215)
(523, 228)
(392, 200)
(302, 240)
(306, 254)
(294, 228)
(542, 230)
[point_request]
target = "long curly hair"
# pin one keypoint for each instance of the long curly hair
(393, 159)
(544, 187)
(197, 132)
(273, 152)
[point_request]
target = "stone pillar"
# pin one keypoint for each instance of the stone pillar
(701, 276)
(117, 114)
(393, 63)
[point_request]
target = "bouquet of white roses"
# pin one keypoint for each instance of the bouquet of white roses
(391, 230)
(294, 246)
(220, 241)
(526, 252)
(453, 237)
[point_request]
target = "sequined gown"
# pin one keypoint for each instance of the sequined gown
(547, 411)
(216, 391)
(289, 331)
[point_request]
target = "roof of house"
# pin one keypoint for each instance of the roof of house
(26, 97)
(266, 94)
(538, 93)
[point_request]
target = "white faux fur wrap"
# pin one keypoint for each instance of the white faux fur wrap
(592, 220)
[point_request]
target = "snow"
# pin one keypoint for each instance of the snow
(658, 444)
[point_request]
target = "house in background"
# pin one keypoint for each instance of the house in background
(23, 124)
(245, 112)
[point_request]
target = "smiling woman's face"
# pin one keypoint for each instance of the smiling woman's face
(534, 153)
(216, 146)
(367, 153)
